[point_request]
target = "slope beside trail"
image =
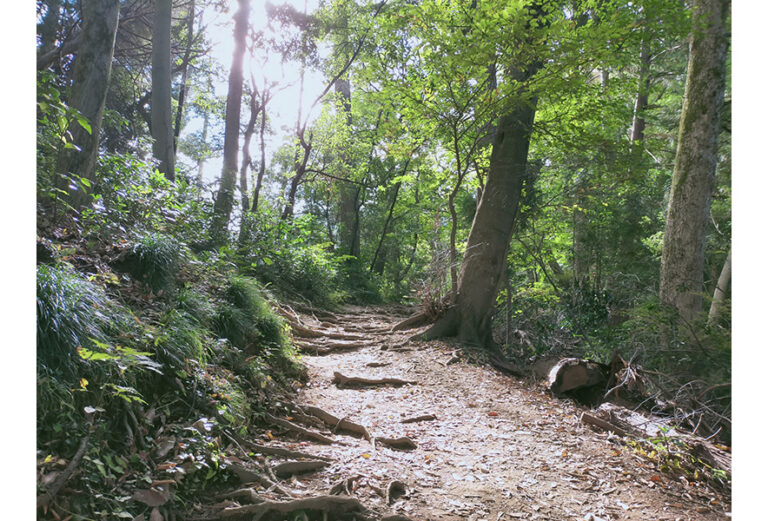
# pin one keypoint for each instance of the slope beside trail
(487, 446)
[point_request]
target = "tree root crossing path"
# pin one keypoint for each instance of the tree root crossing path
(400, 429)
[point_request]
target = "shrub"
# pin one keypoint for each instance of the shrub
(196, 305)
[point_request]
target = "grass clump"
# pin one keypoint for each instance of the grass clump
(155, 259)
(71, 312)
(181, 340)
(247, 320)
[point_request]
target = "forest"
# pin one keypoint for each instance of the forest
(383, 259)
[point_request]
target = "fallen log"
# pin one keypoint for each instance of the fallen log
(328, 505)
(337, 423)
(289, 468)
(299, 430)
(350, 381)
(571, 374)
(422, 418)
(402, 443)
(505, 366)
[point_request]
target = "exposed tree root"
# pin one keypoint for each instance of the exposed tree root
(243, 494)
(337, 423)
(324, 348)
(305, 332)
(395, 517)
(395, 489)
(289, 468)
(402, 443)
(279, 451)
(299, 430)
(505, 367)
(378, 364)
(412, 322)
(319, 313)
(344, 486)
(422, 418)
(329, 505)
(354, 381)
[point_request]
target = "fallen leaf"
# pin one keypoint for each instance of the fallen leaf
(492, 413)
(366, 455)
(150, 497)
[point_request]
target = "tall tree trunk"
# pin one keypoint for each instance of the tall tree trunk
(682, 263)
(162, 128)
(262, 155)
(721, 291)
(204, 138)
(222, 207)
(483, 265)
(379, 268)
(184, 69)
(349, 232)
(93, 68)
(245, 166)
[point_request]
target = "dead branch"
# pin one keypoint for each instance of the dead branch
(299, 430)
(422, 418)
(344, 381)
(44, 499)
(378, 364)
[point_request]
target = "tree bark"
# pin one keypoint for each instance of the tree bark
(483, 265)
(184, 70)
(721, 291)
(162, 127)
(222, 207)
(262, 154)
(93, 68)
(682, 263)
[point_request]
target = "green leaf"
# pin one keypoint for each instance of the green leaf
(84, 123)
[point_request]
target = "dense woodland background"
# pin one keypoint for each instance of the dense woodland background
(513, 170)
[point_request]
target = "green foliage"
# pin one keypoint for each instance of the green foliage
(129, 195)
(71, 312)
(155, 259)
(181, 340)
(290, 257)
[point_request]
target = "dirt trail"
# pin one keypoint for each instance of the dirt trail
(497, 449)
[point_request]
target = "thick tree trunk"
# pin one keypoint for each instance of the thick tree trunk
(483, 266)
(682, 263)
(93, 68)
(222, 208)
(349, 232)
(721, 291)
(162, 127)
